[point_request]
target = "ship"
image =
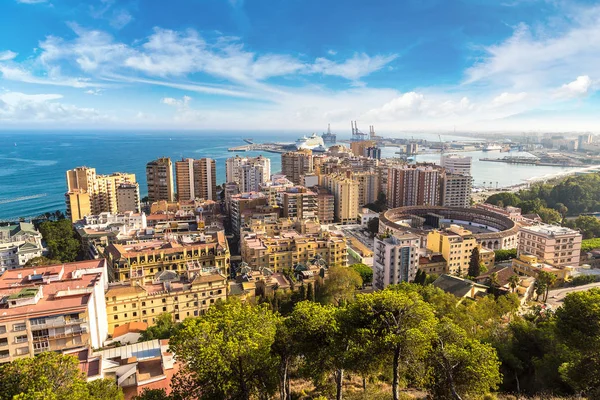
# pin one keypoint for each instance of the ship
(313, 142)
(492, 147)
(329, 138)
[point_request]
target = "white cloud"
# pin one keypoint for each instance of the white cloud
(184, 113)
(355, 68)
(33, 108)
(580, 87)
(94, 92)
(331, 52)
(7, 55)
(120, 18)
(508, 98)
(21, 75)
(31, 1)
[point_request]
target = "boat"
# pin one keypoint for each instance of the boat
(329, 138)
(249, 141)
(492, 147)
(313, 142)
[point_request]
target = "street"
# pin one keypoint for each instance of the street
(557, 296)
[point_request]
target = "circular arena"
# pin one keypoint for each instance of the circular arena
(491, 230)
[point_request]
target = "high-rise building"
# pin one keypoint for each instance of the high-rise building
(409, 185)
(456, 190)
(128, 197)
(298, 202)
(295, 164)
(359, 148)
(53, 308)
(395, 259)
(456, 245)
(248, 172)
(553, 244)
(91, 194)
(159, 174)
(456, 164)
(345, 194)
(196, 179)
(325, 206)
(368, 187)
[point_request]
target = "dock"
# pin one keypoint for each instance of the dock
(531, 161)
(267, 147)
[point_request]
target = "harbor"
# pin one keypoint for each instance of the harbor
(532, 161)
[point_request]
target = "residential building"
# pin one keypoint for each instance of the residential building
(90, 194)
(552, 244)
(345, 194)
(368, 187)
(245, 206)
(296, 164)
(277, 184)
(248, 172)
(395, 259)
(456, 245)
(359, 148)
(456, 190)
(456, 164)
(291, 248)
(530, 265)
(159, 174)
(18, 244)
(298, 202)
(325, 205)
(52, 308)
(183, 295)
(413, 185)
(433, 264)
(128, 197)
(460, 287)
(143, 261)
(487, 257)
(373, 152)
(366, 215)
(196, 179)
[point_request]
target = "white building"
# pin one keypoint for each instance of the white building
(18, 244)
(456, 190)
(248, 172)
(553, 244)
(456, 164)
(395, 259)
(127, 221)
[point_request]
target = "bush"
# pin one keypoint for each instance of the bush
(590, 244)
(584, 279)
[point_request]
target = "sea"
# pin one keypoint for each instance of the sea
(33, 163)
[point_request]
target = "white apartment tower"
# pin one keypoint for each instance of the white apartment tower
(396, 259)
(248, 172)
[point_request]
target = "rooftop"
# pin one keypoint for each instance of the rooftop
(550, 230)
(459, 287)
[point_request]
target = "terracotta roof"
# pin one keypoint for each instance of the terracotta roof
(130, 327)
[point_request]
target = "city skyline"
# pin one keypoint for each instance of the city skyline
(471, 65)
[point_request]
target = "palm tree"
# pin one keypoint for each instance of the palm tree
(514, 281)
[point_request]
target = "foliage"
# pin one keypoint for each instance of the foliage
(52, 376)
(474, 268)
(163, 328)
(380, 204)
(153, 394)
(365, 272)
(227, 353)
(340, 285)
(590, 244)
(587, 224)
(504, 199)
(505, 254)
(580, 280)
(60, 240)
(41, 261)
(373, 226)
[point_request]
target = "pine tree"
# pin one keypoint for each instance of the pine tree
(310, 292)
(302, 292)
(474, 268)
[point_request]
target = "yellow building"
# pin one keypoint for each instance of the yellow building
(142, 261)
(456, 245)
(78, 204)
(183, 298)
(359, 148)
(290, 248)
(530, 265)
(345, 194)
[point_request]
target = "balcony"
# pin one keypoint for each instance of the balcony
(58, 323)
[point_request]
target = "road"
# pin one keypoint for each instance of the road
(557, 296)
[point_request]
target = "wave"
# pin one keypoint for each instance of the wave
(22, 198)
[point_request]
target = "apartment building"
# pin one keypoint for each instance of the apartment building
(359, 148)
(552, 244)
(296, 164)
(413, 185)
(18, 244)
(159, 175)
(298, 202)
(395, 259)
(245, 206)
(456, 164)
(325, 205)
(291, 248)
(345, 193)
(141, 262)
(368, 187)
(530, 265)
(128, 197)
(456, 190)
(52, 308)
(196, 179)
(89, 193)
(248, 172)
(186, 295)
(456, 245)
(277, 184)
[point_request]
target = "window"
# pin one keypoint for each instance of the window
(164, 309)
(19, 327)
(143, 304)
(2, 329)
(134, 314)
(164, 300)
(116, 317)
(125, 315)
(21, 339)
(114, 308)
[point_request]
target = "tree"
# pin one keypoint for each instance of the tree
(163, 328)
(513, 282)
(226, 353)
(398, 325)
(105, 389)
(461, 366)
(373, 226)
(588, 225)
(505, 254)
(310, 292)
(549, 216)
(546, 280)
(365, 272)
(474, 269)
(562, 209)
(507, 199)
(60, 240)
(340, 285)
(152, 394)
(41, 261)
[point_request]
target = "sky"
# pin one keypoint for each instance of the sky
(400, 65)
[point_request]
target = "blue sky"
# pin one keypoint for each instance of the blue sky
(477, 65)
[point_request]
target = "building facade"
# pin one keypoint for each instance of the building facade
(456, 190)
(296, 164)
(128, 197)
(345, 193)
(555, 245)
(196, 179)
(395, 259)
(413, 186)
(456, 245)
(456, 164)
(159, 175)
(18, 244)
(249, 172)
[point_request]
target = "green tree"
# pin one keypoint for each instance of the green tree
(373, 226)
(562, 210)
(588, 225)
(226, 353)
(41, 261)
(513, 282)
(310, 292)
(547, 280)
(60, 240)
(474, 268)
(504, 255)
(163, 328)
(365, 272)
(340, 285)
(105, 389)
(461, 366)
(398, 325)
(506, 198)
(153, 394)
(549, 216)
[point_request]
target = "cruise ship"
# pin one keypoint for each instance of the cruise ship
(313, 142)
(492, 147)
